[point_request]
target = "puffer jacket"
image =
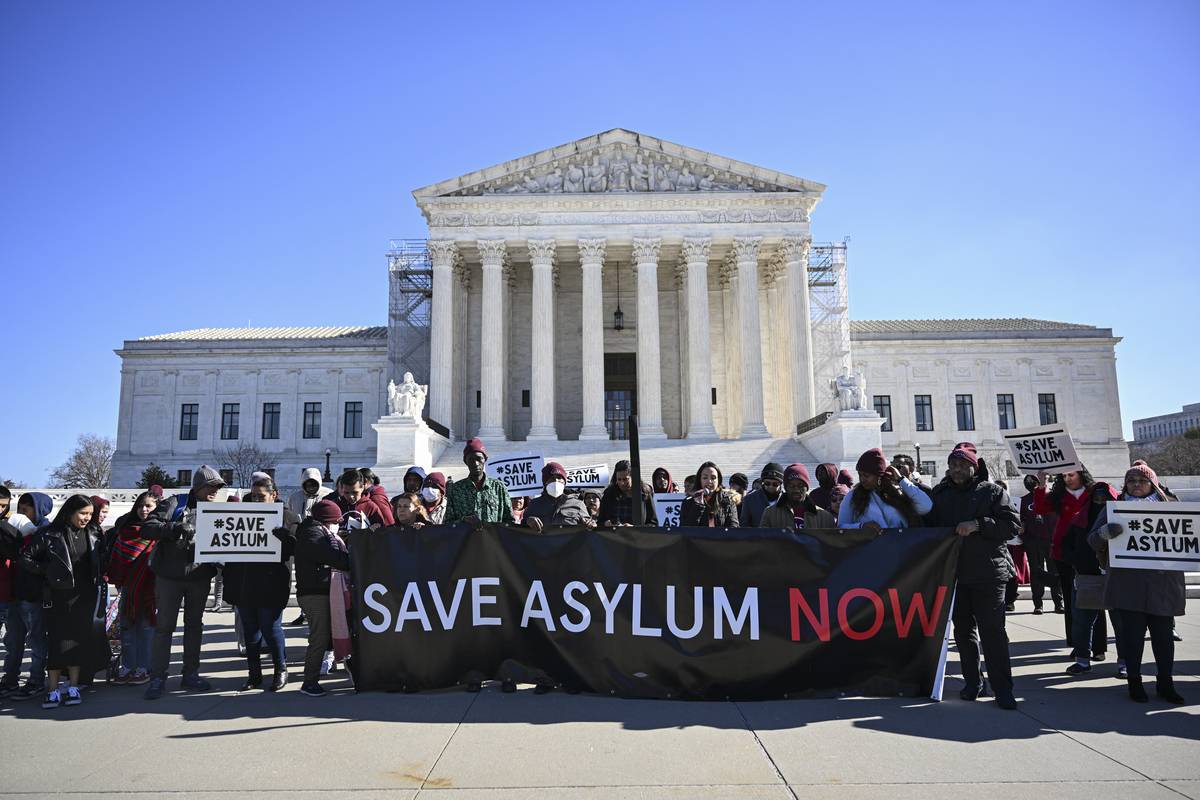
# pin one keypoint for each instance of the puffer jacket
(984, 555)
(316, 551)
(719, 508)
(174, 557)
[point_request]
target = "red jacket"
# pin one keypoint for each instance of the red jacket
(372, 504)
(1068, 507)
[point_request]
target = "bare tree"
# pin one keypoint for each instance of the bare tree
(89, 466)
(1178, 455)
(243, 460)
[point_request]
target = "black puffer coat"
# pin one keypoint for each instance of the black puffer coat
(175, 556)
(316, 553)
(264, 585)
(984, 556)
(721, 510)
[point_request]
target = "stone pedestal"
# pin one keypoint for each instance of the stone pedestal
(402, 442)
(845, 437)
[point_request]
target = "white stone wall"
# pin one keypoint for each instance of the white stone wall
(157, 380)
(1079, 372)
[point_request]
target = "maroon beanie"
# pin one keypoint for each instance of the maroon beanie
(796, 472)
(839, 490)
(474, 446)
(844, 478)
(98, 502)
(327, 512)
(872, 462)
(967, 452)
(552, 470)
(156, 491)
(436, 480)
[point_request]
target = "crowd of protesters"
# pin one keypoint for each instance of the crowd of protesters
(56, 572)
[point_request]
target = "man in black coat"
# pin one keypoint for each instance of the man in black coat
(178, 580)
(979, 512)
(554, 506)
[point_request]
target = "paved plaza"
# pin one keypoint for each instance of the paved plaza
(1070, 738)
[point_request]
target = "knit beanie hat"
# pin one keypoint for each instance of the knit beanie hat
(327, 512)
(773, 471)
(796, 472)
(839, 491)
(967, 452)
(436, 480)
(552, 470)
(474, 445)
(844, 478)
(1141, 469)
(98, 502)
(872, 462)
(206, 476)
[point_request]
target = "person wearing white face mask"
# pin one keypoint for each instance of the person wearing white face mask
(433, 497)
(554, 506)
(318, 549)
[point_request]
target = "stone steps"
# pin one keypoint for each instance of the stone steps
(680, 457)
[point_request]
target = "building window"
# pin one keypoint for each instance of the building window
(1047, 411)
(270, 423)
(312, 420)
(183, 477)
(883, 407)
(964, 407)
(924, 407)
(352, 424)
(227, 476)
(524, 398)
(929, 469)
(1007, 411)
(229, 420)
(189, 422)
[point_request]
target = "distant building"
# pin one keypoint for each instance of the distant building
(1164, 426)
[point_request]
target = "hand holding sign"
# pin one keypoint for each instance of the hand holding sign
(1043, 450)
(238, 532)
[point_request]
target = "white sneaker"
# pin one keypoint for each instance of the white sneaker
(328, 663)
(73, 696)
(53, 699)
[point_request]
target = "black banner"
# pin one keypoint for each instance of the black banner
(639, 612)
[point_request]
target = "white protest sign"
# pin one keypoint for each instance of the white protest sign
(588, 477)
(667, 507)
(238, 532)
(1047, 447)
(1155, 536)
(521, 475)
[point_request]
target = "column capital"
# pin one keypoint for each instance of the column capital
(695, 248)
(591, 251)
(492, 251)
(646, 250)
(442, 253)
(795, 248)
(541, 251)
(745, 248)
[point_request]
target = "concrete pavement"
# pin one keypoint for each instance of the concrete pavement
(1071, 738)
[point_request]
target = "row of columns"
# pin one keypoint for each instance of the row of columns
(694, 268)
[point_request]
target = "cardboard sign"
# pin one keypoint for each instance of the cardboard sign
(1048, 447)
(1155, 536)
(238, 532)
(668, 506)
(521, 475)
(588, 477)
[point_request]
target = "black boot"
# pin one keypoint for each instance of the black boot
(254, 669)
(1137, 693)
(1165, 689)
(279, 681)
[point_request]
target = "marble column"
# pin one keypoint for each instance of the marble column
(491, 341)
(775, 379)
(733, 349)
(794, 252)
(745, 249)
(649, 376)
(441, 332)
(695, 255)
(541, 259)
(591, 262)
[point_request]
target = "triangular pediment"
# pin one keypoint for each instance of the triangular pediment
(619, 161)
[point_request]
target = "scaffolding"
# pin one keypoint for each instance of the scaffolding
(830, 312)
(410, 293)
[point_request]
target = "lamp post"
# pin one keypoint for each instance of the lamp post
(328, 477)
(917, 447)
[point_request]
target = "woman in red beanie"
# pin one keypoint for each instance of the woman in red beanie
(882, 498)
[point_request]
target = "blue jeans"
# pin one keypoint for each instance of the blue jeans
(264, 626)
(137, 640)
(25, 627)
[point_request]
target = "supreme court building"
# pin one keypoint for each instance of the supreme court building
(618, 272)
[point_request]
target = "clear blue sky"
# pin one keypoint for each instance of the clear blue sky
(173, 165)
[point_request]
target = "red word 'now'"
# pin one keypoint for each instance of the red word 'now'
(903, 620)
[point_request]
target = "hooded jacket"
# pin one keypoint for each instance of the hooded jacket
(983, 556)
(301, 503)
(826, 475)
(316, 551)
(671, 487)
(373, 504)
(26, 586)
(173, 524)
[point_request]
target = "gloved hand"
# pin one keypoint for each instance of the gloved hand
(1111, 531)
